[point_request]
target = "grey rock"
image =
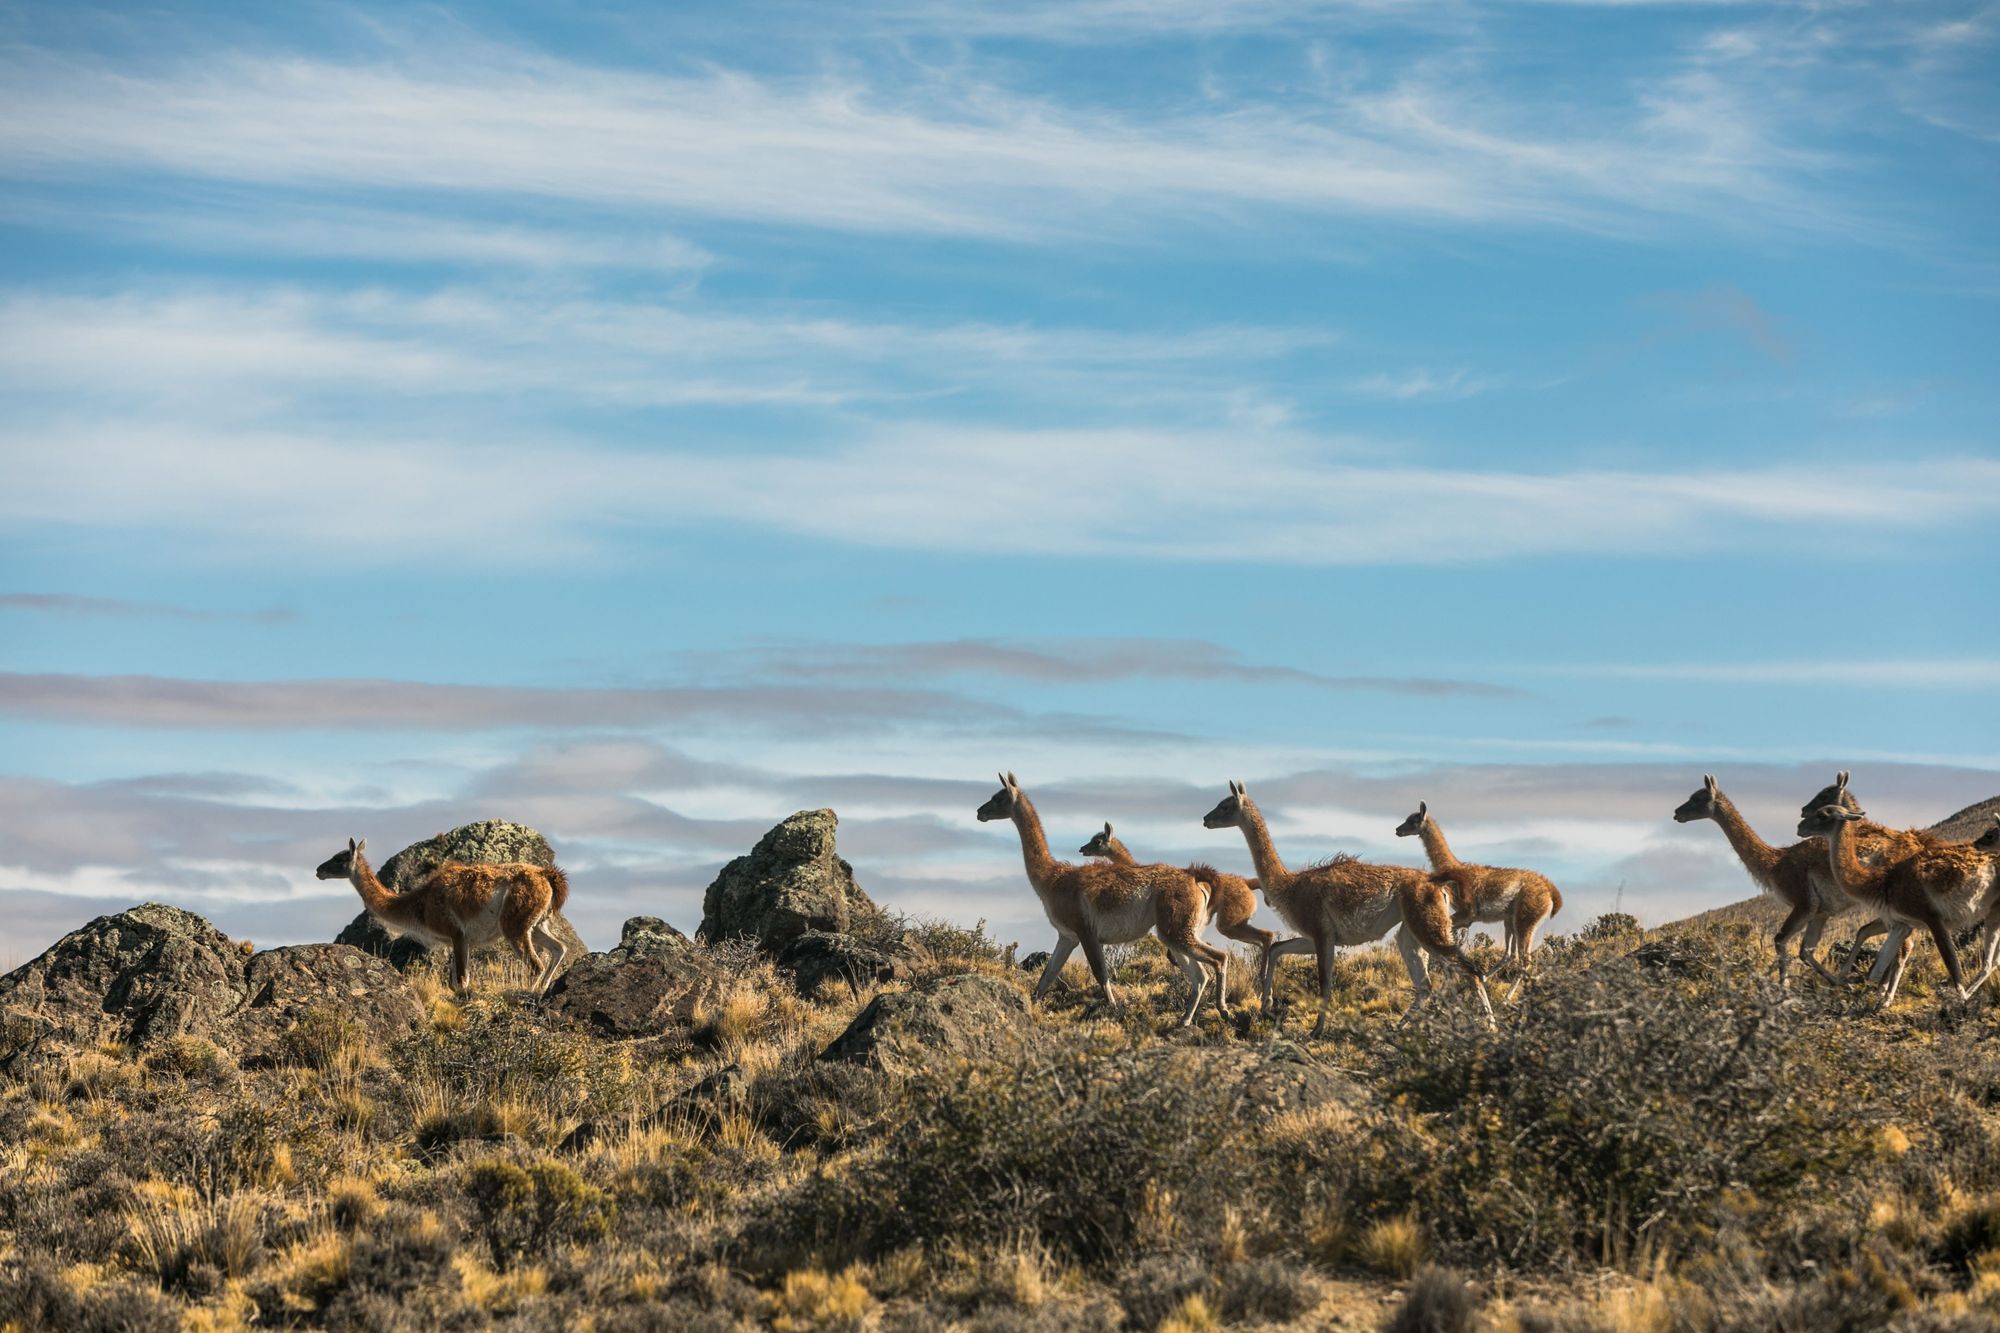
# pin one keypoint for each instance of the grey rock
(138, 977)
(651, 982)
(792, 881)
(284, 984)
(818, 957)
(973, 1016)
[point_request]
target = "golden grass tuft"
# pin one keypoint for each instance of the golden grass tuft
(1394, 1247)
(497, 1293)
(813, 1301)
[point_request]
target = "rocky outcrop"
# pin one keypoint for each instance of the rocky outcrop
(652, 981)
(818, 958)
(793, 881)
(144, 976)
(282, 985)
(488, 842)
(971, 1016)
(135, 977)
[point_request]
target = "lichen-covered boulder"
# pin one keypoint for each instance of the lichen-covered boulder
(137, 977)
(972, 1016)
(651, 982)
(791, 882)
(817, 958)
(487, 842)
(282, 985)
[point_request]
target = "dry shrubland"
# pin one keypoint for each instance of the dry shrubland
(1655, 1137)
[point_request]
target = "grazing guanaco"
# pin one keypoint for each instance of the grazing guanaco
(467, 907)
(1232, 899)
(1101, 903)
(1942, 887)
(1520, 899)
(1346, 902)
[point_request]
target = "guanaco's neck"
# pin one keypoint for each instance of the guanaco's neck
(376, 896)
(1848, 871)
(1435, 847)
(1034, 847)
(1271, 871)
(1118, 853)
(1760, 858)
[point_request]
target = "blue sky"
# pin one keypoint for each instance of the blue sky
(646, 422)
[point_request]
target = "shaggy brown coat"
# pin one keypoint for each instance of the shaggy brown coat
(1232, 899)
(1344, 902)
(1796, 875)
(1521, 900)
(1101, 903)
(467, 907)
(1943, 888)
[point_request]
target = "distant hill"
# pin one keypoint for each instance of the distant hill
(1767, 913)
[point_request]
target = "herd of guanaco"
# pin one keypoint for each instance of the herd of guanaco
(1910, 880)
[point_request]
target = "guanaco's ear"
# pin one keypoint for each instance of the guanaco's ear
(361, 847)
(1013, 781)
(352, 846)
(1423, 807)
(1840, 780)
(1107, 826)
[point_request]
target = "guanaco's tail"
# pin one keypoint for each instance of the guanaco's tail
(558, 888)
(1555, 900)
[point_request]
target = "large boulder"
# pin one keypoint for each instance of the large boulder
(283, 985)
(816, 958)
(792, 881)
(488, 842)
(144, 976)
(970, 1016)
(651, 982)
(136, 977)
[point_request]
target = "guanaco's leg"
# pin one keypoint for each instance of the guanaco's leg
(461, 963)
(1892, 949)
(1065, 946)
(1325, 989)
(1809, 944)
(1297, 944)
(1795, 921)
(557, 951)
(1093, 952)
(1867, 932)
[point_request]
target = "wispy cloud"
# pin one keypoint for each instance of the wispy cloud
(197, 345)
(939, 155)
(418, 706)
(71, 604)
(1928, 673)
(1141, 494)
(1065, 662)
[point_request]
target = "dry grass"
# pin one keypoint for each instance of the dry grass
(1056, 1189)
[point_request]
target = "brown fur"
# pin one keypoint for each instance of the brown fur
(1345, 902)
(453, 905)
(1232, 899)
(1942, 888)
(1796, 875)
(1519, 899)
(1102, 903)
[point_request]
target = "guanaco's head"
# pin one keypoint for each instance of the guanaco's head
(1825, 820)
(1988, 841)
(1414, 825)
(1834, 793)
(1702, 805)
(1099, 844)
(341, 864)
(1229, 812)
(1003, 803)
